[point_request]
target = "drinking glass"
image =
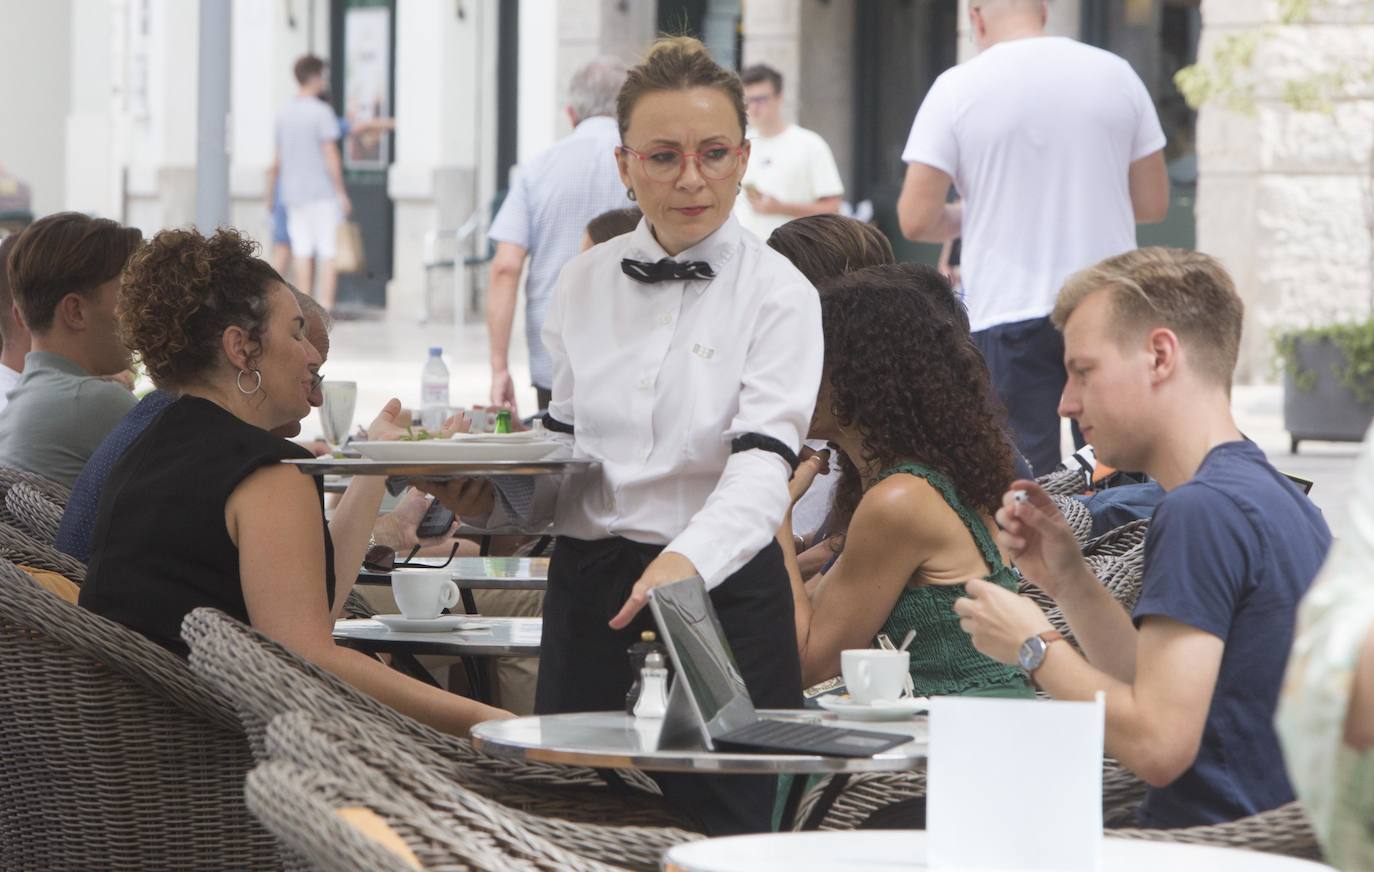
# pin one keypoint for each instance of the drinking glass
(336, 415)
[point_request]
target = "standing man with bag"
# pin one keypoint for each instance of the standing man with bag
(1057, 153)
(309, 170)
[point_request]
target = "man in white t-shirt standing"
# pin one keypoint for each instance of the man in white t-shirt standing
(792, 172)
(1057, 153)
(310, 172)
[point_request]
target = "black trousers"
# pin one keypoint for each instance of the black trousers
(1026, 362)
(584, 664)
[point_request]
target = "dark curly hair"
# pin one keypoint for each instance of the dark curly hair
(179, 294)
(902, 369)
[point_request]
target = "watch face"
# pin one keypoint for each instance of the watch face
(1032, 653)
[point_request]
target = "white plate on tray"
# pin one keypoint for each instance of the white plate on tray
(501, 438)
(438, 450)
(441, 624)
(884, 710)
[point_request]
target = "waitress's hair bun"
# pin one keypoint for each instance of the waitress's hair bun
(678, 63)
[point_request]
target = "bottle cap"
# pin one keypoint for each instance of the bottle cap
(435, 351)
(648, 636)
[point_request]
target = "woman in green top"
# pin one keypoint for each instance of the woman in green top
(905, 397)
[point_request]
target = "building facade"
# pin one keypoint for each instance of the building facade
(477, 86)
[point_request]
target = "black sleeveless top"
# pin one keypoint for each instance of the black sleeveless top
(160, 547)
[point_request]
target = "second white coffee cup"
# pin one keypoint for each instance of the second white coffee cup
(872, 674)
(421, 595)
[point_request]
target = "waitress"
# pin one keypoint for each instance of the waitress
(686, 360)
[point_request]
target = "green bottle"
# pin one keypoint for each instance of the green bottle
(502, 421)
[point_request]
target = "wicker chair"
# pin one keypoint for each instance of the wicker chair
(36, 513)
(870, 792)
(1079, 518)
(17, 546)
(302, 808)
(1063, 483)
(54, 491)
(348, 746)
(1284, 830)
(264, 680)
(116, 755)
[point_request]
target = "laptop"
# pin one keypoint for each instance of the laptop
(709, 693)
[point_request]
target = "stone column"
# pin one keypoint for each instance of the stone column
(590, 28)
(1284, 196)
(445, 91)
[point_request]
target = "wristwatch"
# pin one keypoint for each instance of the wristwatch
(1033, 650)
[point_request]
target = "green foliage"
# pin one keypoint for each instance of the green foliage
(1226, 78)
(1354, 340)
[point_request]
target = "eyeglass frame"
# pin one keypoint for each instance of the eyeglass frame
(682, 167)
(387, 565)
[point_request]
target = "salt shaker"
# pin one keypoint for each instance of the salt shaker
(653, 688)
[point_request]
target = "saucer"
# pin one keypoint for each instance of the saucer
(443, 623)
(884, 710)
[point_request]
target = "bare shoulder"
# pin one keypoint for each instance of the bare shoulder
(900, 504)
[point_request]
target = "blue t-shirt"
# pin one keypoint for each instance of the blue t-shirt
(78, 521)
(1231, 552)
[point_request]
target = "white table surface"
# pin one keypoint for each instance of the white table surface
(894, 850)
(618, 741)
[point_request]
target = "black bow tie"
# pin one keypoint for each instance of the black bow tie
(649, 273)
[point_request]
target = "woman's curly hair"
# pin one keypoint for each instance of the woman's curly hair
(903, 370)
(180, 292)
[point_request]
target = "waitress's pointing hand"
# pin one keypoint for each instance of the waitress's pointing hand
(666, 568)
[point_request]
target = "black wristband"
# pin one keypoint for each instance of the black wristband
(751, 441)
(553, 424)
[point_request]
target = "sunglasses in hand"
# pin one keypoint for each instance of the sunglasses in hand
(382, 558)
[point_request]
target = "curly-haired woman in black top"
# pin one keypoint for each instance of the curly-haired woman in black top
(906, 398)
(200, 511)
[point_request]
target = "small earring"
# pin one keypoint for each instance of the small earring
(238, 381)
(630, 192)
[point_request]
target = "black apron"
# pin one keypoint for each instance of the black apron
(584, 665)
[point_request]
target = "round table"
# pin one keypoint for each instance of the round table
(906, 850)
(615, 740)
(502, 637)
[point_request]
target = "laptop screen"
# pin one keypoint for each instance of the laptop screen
(702, 656)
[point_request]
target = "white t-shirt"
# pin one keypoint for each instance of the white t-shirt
(1038, 135)
(795, 166)
(8, 379)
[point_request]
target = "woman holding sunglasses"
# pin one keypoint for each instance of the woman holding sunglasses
(686, 359)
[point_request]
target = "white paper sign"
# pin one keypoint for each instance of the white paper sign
(1015, 784)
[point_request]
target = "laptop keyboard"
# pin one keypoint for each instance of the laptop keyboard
(802, 738)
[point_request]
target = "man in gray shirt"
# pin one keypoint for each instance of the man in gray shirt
(64, 274)
(543, 217)
(309, 170)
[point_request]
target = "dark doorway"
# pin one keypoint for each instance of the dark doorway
(901, 47)
(362, 86)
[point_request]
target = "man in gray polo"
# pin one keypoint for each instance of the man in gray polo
(64, 275)
(543, 217)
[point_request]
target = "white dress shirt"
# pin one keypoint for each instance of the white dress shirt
(659, 379)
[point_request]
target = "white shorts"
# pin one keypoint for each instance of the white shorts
(314, 228)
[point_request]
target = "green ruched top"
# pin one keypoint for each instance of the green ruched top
(943, 659)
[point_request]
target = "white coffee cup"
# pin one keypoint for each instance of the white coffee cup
(872, 674)
(421, 595)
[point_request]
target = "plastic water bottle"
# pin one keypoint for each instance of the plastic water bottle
(434, 392)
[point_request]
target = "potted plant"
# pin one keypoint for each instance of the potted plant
(1328, 381)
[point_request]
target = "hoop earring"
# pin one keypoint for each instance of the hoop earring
(630, 192)
(238, 381)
